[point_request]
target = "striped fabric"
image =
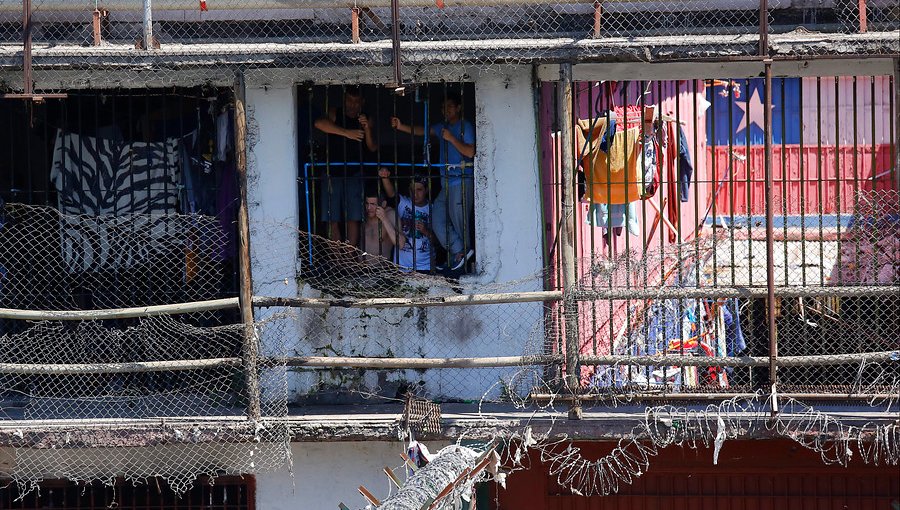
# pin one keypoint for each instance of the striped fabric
(110, 191)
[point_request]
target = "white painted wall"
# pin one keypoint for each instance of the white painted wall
(272, 199)
(508, 244)
(326, 474)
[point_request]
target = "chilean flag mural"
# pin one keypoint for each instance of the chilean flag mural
(831, 140)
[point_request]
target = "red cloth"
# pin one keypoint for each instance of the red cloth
(669, 158)
(635, 116)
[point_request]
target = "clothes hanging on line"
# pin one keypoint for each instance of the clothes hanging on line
(692, 327)
(679, 170)
(609, 160)
(614, 216)
(97, 177)
(650, 166)
(627, 117)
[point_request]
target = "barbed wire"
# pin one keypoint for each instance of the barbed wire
(347, 305)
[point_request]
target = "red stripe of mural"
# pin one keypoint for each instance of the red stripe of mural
(800, 195)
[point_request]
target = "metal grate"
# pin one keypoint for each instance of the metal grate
(422, 416)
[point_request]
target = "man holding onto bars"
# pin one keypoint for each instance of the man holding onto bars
(454, 205)
(349, 143)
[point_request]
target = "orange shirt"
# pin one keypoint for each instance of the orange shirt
(611, 178)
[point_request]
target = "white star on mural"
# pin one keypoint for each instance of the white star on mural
(756, 114)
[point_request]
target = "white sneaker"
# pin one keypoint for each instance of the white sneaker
(462, 261)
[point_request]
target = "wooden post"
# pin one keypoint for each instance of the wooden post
(567, 233)
(598, 13)
(251, 342)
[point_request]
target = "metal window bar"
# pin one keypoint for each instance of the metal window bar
(814, 228)
(415, 112)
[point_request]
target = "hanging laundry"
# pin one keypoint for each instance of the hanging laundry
(679, 170)
(734, 336)
(650, 166)
(614, 216)
(628, 117)
(609, 161)
(224, 134)
(97, 177)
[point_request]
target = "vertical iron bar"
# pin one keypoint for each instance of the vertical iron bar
(855, 165)
(395, 42)
(895, 128)
(624, 228)
(862, 9)
(713, 191)
(610, 104)
(820, 178)
(803, 206)
(763, 28)
(354, 25)
(148, 24)
(678, 226)
(567, 231)
(873, 114)
(785, 182)
(251, 346)
(468, 223)
(731, 203)
(770, 251)
(837, 170)
(26, 47)
(749, 184)
(590, 202)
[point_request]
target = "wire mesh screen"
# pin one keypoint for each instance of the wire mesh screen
(130, 205)
(675, 247)
(668, 296)
(208, 41)
(105, 375)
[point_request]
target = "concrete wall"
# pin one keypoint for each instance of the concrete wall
(326, 474)
(272, 200)
(508, 247)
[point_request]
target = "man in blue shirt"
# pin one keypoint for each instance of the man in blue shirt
(350, 142)
(454, 205)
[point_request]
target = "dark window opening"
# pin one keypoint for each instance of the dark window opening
(116, 199)
(222, 493)
(371, 178)
(103, 158)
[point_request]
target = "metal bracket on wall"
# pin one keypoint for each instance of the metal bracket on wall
(28, 82)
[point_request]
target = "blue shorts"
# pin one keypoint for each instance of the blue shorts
(342, 198)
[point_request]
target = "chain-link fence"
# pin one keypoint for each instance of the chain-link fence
(363, 329)
(196, 43)
(120, 314)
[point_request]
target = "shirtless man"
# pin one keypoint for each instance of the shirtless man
(380, 233)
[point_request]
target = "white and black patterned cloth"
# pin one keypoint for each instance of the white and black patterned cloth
(104, 185)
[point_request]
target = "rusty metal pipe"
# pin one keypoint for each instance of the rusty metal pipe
(763, 28)
(26, 47)
(191, 5)
(395, 42)
(770, 232)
